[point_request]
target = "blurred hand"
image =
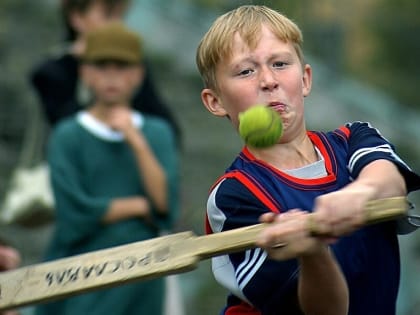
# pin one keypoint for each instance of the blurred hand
(289, 236)
(9, 258)
(119, 118)
(341, 212)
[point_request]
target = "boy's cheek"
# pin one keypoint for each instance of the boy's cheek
(87, 76)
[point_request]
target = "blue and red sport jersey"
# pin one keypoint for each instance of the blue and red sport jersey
(250, 187)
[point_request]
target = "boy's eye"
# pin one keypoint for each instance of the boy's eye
(279, 64)
(245, 72)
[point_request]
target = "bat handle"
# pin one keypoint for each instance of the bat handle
(375, 211)
(245, 237)
(386, 209)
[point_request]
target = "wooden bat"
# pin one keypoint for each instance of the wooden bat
(143, 260)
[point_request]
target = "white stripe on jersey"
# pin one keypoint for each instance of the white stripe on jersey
(224, 273)
(248, 263)
(216, 217)
(223, 269)
(365, 151)
(250, 267)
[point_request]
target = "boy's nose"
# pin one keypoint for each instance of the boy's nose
(268, 80)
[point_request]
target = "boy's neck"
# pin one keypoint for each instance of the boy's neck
(286, 156)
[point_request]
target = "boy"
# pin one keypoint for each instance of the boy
(114, 174)
(252, 55)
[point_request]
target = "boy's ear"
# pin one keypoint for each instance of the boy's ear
(307, 80)
(212, 102)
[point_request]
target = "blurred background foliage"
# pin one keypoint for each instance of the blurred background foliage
(364, 54)
(376, 41)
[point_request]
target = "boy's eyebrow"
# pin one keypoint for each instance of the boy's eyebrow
(251, 59)
(283, 54)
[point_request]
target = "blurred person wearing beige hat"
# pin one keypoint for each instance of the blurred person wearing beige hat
(114, 173)
(55, 79)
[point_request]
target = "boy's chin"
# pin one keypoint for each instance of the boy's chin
(113, 102)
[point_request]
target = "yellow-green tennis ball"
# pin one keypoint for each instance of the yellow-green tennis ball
(260, 126)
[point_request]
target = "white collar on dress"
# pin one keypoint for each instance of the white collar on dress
(102, 130)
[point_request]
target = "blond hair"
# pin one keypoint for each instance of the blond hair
(246, 20)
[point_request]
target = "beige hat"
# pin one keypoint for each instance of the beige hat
(113, 42)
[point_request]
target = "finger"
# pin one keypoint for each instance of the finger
(10, 258)
(268, 217)
(284, 226)
(272, 235)
(292, 214)
(318, 225)
(298, 246)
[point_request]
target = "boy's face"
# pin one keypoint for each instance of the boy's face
(270, 74)
(112, 83)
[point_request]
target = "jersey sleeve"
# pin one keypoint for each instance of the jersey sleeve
(366, 144)
(250, 275)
